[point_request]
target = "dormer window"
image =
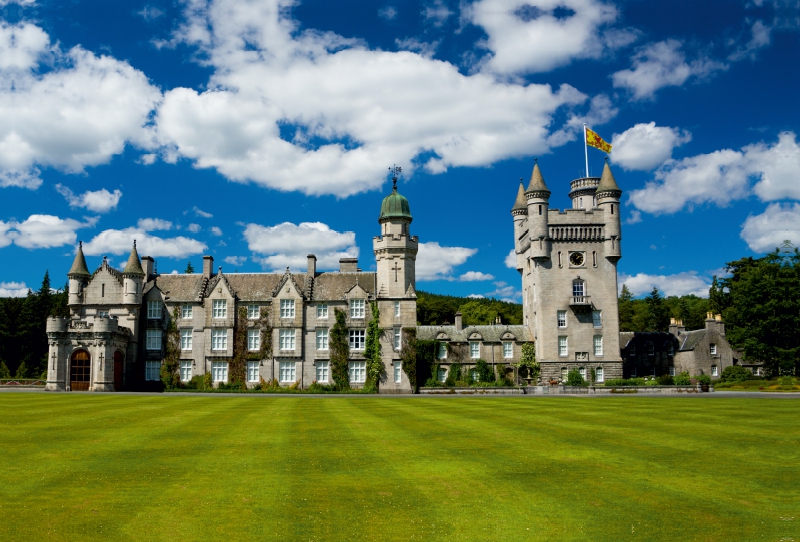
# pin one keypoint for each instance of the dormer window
(442, 354)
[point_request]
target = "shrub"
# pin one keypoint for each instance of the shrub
(484, 371)
(704, 379)
(735, 373)
(502, 373)
(665, 380)
(316, 387)
(574, 378)
(619, 382)
(433, 383)
(650, 382)
(683, 379)
(453, 375)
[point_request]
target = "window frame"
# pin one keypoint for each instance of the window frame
(219, 340)
(357, 371)
(152, 370)
(561, 323)
(253, 374)
(474, 350)
(322, 371)
(219, 371)
(154, 309)
(186, 370)
(287, 337)
(187, 339)
(322, 338)
(287, 371)
(287, 308)
(441, 374)
(219, 309)
(508, 349)
(712, 348)
(599, 374)
(360, 335)
(441, 353)
(397, 309)
(597, 319)
(397, 340)
(322, 311)
(597, 344)
(187, 312)
(578, 286)
(253, 312)
(253, 339)
(714, 370)
(398, 372)
(357, 309)
(563, 349)
(153, 339)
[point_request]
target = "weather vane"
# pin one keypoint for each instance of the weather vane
(395, 170)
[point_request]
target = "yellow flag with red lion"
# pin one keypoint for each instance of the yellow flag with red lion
(594, 140)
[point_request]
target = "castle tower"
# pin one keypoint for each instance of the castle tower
(568, 261)
(395, 249)
(78, 276)
(133, 277)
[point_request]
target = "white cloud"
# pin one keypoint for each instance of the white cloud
(42, 231)
(426, 49)
(151, 224)
(723, 176)
(511, 259)
(475, 276)
(289, 244)
(476, 296)
(149, 13)
(13, 289)
(99, 201)
(539, 35)
(505, 292)
(78, 112)
(679, 284)
(388, 13)
(634, 218)
(215, 231)
(120, 242)
(436, 13)
(147, 159)
(779, 222)
(194, 228)
(760, 37)
(20, 2)
(351, 109)
(662, 64)
(199, 212)
(435, 262)
(236, 261)
(645, 146)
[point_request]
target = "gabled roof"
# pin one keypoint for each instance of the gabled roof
(625, 337)
(488, 333)
(334, 286)
(256, 286)
(110, 270)
(79, 268)
(691, 338)
(288, 277)
(184, 287)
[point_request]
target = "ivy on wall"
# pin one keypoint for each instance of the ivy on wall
(170, 368)
(340, 351)
(372, 351)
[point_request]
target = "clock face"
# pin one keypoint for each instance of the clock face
(576, 259)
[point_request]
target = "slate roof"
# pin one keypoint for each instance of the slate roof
(520, 204)
(334, 285)
(183, 287)
(625, 337)
(134, 266)
(488, 333)
(537, 181)
(79, 267)
(256, 286)
(607, 182)
(690, 339)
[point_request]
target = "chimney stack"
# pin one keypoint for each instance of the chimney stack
(148, 266)
(312, 266)
(208, 266)
(459, 327)
(348, 265)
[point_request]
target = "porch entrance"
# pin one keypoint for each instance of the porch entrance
(79, 369)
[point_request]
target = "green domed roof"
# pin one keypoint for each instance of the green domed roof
(395, 206)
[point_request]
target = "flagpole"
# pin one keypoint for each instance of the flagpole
(585, 149)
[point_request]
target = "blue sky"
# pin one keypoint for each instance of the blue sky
(259, 131)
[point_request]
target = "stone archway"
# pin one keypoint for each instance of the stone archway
(79, 371)
(118, 368)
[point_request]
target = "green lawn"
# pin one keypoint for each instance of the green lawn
(180, 467)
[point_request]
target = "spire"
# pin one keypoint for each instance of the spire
(537, 181)
(79, 268)
(520, 204)
(607, 182)
(134, 266)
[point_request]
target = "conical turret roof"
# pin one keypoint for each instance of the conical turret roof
(79, 268)
(607, 182)
(134, 265)
(520, 204)
(537, 181)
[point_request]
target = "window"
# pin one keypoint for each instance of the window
(713, 349)
(186, 339)
(578, 288)
(102, 314)
(672, 371)
(442, 351)
(186, 371)
(154, 339)
(287, 308)
(322, 371)
(154, 310)
(651, 350)
(594, 258)
(252, 371)
(286, 339)
(598, 345)
(219, 339)
(559, 258)
(474, 350)
(397, 308)
(219, 371)
(152, 370)
(186, 311)
(714, 371)
(508, 350)
(633, 372)
(219, 308)
(632, 351)
(358, 371)
(322, 311)
(357, 308)
(670, 349)
(582, 372)
(252, 312)
(253, 339)
(598, 375)
(597, 318)
(564, 373)
(322, 339)
(562, 346)
(398, 374)
(475, 376)
(287, 371)
(357, 339)
(441, 374)
(562, 318)
(397, 338)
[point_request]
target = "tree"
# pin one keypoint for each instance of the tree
(372, 350)
(657, 315)
(626, 309)
(170, 369)
(339, 345)
(408, 356)
(475, 313)
(189, 268)
(715, 296)
(527, 361)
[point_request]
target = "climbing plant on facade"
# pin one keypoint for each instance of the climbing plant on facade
(339, 347)
(170, 375)
(372, 350)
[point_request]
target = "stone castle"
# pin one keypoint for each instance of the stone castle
(114, 338)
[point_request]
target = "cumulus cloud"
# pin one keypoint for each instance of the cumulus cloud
(662, 64)
(474, 276)
(766, 231)
(289, 244)
(304, 110)
(236, 261)
(199, 212)
(120, 242)
(539, 35)
(435, 262)
(511, 259)
(99, 201)
(646, 146)
(194, 228)
(476, 296)
(686, 283)
(634, 218)
(505, 292)
(426, 49)
(42, 231)
(723, 176)
(79, 112)
(215, 231)
(13, 289)
(151, 224)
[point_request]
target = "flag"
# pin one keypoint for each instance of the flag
(594, 140)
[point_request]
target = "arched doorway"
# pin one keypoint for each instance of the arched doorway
(79, 369)
(118, 370)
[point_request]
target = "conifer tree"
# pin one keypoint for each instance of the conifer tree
(626, 309)
(189, 268)
(657, 317)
